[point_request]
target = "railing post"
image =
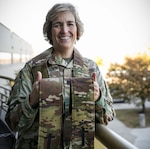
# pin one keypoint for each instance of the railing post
(111, 139)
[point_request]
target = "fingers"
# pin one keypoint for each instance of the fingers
(96, 91)
(36, 84)
(106, 119)
(94, 76)
(34, 95)
(39, 76)
(96, 87)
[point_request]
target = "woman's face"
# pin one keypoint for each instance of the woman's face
(64, 31)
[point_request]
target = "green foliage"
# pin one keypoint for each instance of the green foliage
(131, 80)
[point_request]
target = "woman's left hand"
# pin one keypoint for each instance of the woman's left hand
(96, 91)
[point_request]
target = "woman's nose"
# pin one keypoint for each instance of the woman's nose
(64, 28)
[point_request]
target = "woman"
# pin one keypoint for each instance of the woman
(62, 29)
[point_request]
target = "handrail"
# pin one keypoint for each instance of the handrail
(5, 91)
(7, 78)
(11, 80)
(4, 88)
(110, 139)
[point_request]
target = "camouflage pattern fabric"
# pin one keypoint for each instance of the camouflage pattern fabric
(64, 129)
(50, 109)
(83, 113)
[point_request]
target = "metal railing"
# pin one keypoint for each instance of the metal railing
(7, 137)
(106, 136)
(5, 89)
(4, 94)
(110, 139)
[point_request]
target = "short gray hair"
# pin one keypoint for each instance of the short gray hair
(53, 13)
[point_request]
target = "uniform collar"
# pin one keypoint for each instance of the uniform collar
(78, 60)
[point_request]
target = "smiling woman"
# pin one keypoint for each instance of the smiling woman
(75, 17)
(61, 93)
(64, 33)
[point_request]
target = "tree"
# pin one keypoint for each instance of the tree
(98, 61)
(131, 80)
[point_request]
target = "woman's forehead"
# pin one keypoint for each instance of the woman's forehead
(64, 16)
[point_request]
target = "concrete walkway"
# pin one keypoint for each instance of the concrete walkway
(140, 137)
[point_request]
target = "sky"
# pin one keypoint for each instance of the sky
(113, 28)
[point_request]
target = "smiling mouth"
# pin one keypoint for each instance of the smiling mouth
(65, 38)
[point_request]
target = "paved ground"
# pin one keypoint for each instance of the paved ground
(137, 136)
(140, 137)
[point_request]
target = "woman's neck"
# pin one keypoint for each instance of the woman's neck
(63, 53)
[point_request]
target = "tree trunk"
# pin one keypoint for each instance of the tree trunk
(143, 105)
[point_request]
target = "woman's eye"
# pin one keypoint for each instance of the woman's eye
(57, 25)
(71, 24)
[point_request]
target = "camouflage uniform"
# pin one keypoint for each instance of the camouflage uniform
(24, 119)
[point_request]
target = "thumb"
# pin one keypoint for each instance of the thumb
(39, 76)
(94, 76)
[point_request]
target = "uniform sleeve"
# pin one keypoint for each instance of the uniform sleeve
(104, 106)
(20, 115)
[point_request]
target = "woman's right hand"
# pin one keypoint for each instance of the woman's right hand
(35, 94)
